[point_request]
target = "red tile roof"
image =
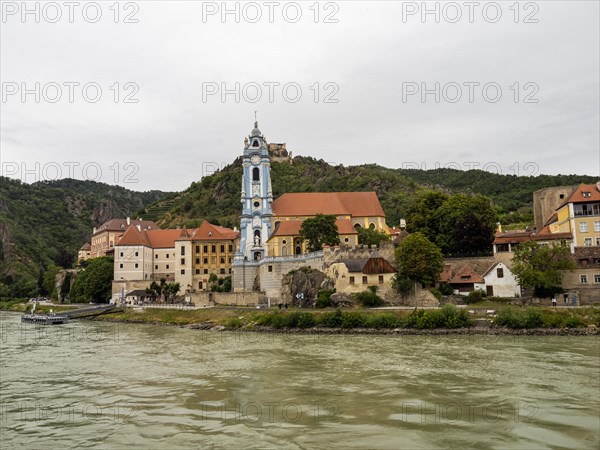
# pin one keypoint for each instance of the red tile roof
(122, 225)
(86, 247)
(466, 275)
(292, 228)
(591, 191)
(209, 232)
(356, 204)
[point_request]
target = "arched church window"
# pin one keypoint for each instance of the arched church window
(372, 226)
(357, 226)
(255, 174)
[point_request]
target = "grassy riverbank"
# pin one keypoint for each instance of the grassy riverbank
(446, 318)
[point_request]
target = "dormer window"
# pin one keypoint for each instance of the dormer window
(587, 194)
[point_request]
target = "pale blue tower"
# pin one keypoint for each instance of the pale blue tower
(256, 198)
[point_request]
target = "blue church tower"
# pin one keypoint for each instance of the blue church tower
(256, 198)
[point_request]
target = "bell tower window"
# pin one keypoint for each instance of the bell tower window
(255, 143)
(255, 174)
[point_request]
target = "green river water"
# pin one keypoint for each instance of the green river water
(113, 386)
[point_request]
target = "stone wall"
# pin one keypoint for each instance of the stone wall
(226, 298)
(546, 201)
(334, 254)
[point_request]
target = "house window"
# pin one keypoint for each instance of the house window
(500, 272)
(182, 250)
(230, 247)
(596, 279)
(380, 279)
(205, 260)
(351, 280)
(583, 279)
(121, 254)
(167, 256)
(197, 260)
(205, 271)
(199, 284)
(182, 261)
(120, 266)
(222, 260)
(156, 256)
(156, 267)
(197, 271)
(205, 248)
(222, 271)
(583, 227)
(597, 226)
(365, 280)
(501, 247)
(222, 248)
(270, 268)
(230, 258)
(587, 194)
(167, 267)
(230, 270)
(182, 271)
(213, 248)
(587, 242)
(137, 254)
(136, 265)
(197, 249)
(598, 241)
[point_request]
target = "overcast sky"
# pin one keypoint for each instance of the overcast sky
(532, 75)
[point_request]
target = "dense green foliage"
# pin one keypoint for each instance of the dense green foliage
(419, 260)
(539, 266)
(455, 223)
(319, 231)
(45, 223)
(369, 236)
(94, 283)
(324, 298)
(369, 298)
(163, 291)
(216, 197)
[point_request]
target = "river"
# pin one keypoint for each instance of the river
(108, 385)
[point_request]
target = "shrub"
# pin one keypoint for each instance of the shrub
(452, 317)
(278, 321)
(234, 322)
(474, 297)
(509, 318)
(554, 320)
(331, 319)
(437, 294)
(574, 322)
(369, 298)
(353, 319)
(423, 319)
(533, 318)
(305, 320)
(446, 289)
(265, 320)
(324, 298)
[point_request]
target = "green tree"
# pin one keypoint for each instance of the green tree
(540, 267)
(49, 282)
(419, 260)
(319, 231)
(466, 224)
(422, 215)
(95, 282)
(368, 236)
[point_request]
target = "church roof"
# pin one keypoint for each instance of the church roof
(292, 228)
(356, 204)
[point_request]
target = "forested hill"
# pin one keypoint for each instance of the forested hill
(217, 197)
(47, 222)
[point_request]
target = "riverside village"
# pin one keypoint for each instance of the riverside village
(333, 249)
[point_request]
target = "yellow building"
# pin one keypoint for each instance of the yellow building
(106, 236)
(355, 275)
(207, 250)
(580, 216)
(85, 252)
(352, 210)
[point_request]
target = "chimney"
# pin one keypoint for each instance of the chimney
(129, 221)
(139, 227)
(235, 229)
(94, 232)
(499, 225)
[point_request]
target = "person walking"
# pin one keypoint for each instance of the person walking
(554, 300)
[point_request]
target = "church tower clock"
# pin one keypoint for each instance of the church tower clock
(256, 197)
